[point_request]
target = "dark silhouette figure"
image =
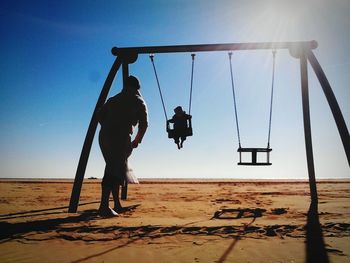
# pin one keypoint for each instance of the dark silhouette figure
(117, 117)
(179, 120)
(315, 245)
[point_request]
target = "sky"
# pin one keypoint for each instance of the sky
(55, 56)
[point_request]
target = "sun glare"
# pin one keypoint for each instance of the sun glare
(277, 21)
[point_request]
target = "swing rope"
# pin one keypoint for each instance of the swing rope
(234, 99)
(160, 91)
(271, 100)
(190, 103)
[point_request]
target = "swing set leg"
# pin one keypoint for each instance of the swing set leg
(85, 152)
(333, 104)
(307, 127)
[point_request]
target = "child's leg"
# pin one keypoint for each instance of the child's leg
(182, 141)
(177, 141)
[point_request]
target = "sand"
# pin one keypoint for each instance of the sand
(177, 221)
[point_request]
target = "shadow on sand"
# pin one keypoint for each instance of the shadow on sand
(31, 212)
(9, 231)
(315, 245)
(17, 230)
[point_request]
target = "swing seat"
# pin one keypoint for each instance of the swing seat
(172, 133)
(254, 151)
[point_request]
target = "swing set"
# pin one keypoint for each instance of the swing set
(299, 50)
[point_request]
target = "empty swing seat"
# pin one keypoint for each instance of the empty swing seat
(254, 160)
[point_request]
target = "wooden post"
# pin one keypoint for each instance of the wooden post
(307, 126)
(332, 101)
(125, 67)
(85, 152)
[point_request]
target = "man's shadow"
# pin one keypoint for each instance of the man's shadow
(9, 231)
(315, 245)
(17, 230)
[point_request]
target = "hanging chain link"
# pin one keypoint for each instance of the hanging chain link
(234, 99)
(271, 99)
(190, 103)
(151, 56)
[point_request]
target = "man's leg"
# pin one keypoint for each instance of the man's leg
(105, 193)
(117, 205)
(104, 209)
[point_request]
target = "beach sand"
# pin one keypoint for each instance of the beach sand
(177, 221)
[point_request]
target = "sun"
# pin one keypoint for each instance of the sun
(276, 21)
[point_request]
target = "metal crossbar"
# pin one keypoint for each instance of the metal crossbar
(214, 47)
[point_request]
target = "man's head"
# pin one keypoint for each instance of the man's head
(132, 83)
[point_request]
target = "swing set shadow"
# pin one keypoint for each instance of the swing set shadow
(302, 50)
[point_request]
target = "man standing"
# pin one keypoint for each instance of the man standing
(117, 117)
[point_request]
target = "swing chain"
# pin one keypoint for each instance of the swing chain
(271, 98)
(151, 56)
(234, 99)
(190, 103)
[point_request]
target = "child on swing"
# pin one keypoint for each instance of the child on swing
(180, 125)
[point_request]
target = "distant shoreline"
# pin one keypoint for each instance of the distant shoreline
(175, 180)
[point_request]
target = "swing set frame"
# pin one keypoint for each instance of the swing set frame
(301, 50)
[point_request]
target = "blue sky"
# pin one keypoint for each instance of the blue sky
(55, 56)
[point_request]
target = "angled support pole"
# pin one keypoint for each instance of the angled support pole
(307, 125)
(85, 152)
(332, 101)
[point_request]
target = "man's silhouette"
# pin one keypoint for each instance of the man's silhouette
(117, 117)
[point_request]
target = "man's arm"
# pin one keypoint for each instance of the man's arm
(142, 124)
(101, 113)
